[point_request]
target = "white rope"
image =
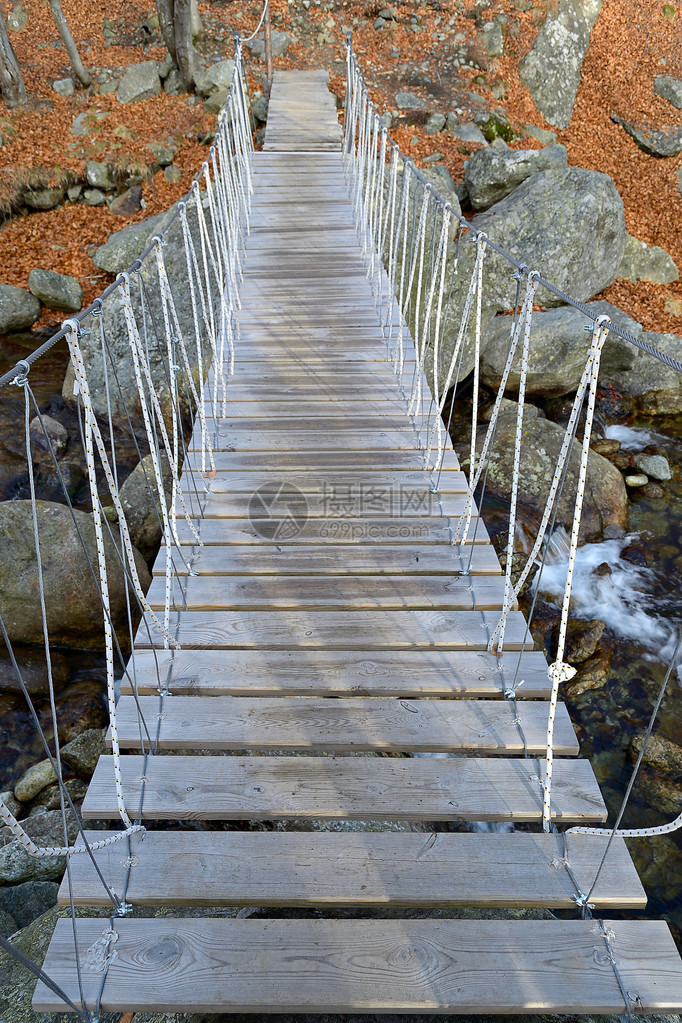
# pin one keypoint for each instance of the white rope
(257, 29)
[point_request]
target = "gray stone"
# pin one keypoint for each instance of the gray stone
(216, 78)
(656, 467)
(669, 88)
(64, 86)
(656, 143)
(467, 132)
(34, 780)
(128, 202)
(558, 351)
(94, 197)
(81, 125)
(8, 925)
(98, 175)
(540, 134)
(174, 84)
(653, 388)
(12, 804)
(386, 120)
(642, 262)
(408, 101)
(163, 153)
(216, 101)
(493, 40)
(434, 124)
(636, 480)
(569, 224)
(379, 23)
(172, 175)
(17, 866)
(441, 179)
(29, 900)
(494, 172)
(56, 435)
(259, 108)
(551, 70)
(280, 44)
(83, 752)
(73, 607)
(44, 198)
(140, 500)
(123, 247)
(106, 88)
(166, 66)
(74, 192)
(140, 81)
(33, 665)
(59, 291)
(17, 19)
(19, 309)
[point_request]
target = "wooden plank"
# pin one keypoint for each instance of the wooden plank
(341, 966)
(337, 502)
(338, 630)
(344, 788)
(359, 724)
(331, 593)
(336, 461)
(339, 673)
(300, 869)
(335, 486)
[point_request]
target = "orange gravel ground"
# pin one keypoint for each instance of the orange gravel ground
(629, 41)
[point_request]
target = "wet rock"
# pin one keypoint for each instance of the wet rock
(98, 175)
(669, 88)
(139, 497)
(33, 781)
(582, 639)
(80, 707)
(128, 202)
(661, 754)
(494, 172)
(605, 446)
(592, 674)
(655, 466)
(33, 667)
(44, 198)
(216, 78)
(636, 480)
(659, 864)
(652, 491)
(408, 101)
(174, 84)
(656, 143)
(25, 902)
(73, 606)
(551, 70)
(59, 291)
(434, 124)
(45, 829)
(64, 86)
(94, 197)
(83, 752)
(569, 222)
(661, 791)
(140, 81)
(19, 309)
(163, 153)
(642, 262)
(57, 437)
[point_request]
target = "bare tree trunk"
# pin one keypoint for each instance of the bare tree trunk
(165, 11)
(197, 27)
(185, 54)
(12, 86)
(82, 75)
(267, 37)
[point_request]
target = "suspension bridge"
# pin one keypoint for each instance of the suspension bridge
(329, 639)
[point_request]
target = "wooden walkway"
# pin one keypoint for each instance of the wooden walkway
(327, 635)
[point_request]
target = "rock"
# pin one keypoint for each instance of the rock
(50, 797)
(123, 247)
(379, 23)
(592, 674)
(83, 752)
(652, 491)
(34, 781)
(659, 864)
(657, 143)
(17, 19)
(33, 667)
(172, 175)
(216, 101)
(216, 78)
(559, 347)
(174, 84)
(661, 754)
(551, 70)
(163, 153)
(81, 124)
(408, 101)
(98, 175)
(73, 193)
(280, 44)
(57, 437)
(669, 88)
(494, 172)
(605, 495)
(128, 202)
(540, 134)
(493, 40)
(106, 88)
(44, 198)
(19, 309)
(468, 132)
(646, 262)
(139, 497)
(636, 480)
(434, 124)
(59, 291)
(64, 87)
(81, 706)
(440, 178)
(74, 612)
(568, 223)
(25, 902)
(259, 107)
(8, 925)
(140, 81)
(656, 467)
(652, 387)
(12, 804)
(582, 639)
(94, 197)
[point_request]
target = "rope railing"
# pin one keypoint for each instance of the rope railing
(414, 242)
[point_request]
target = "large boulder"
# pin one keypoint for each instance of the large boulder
(73, 607)
(19, 309)
(139, 497)
(494, 172)
(568, 224)
(605, 502)
(558, 350)
(141, 81)
(123, 247)
(642, 262)
(215, 78)
(59, 291)
(46, 829)
(652, 387)
(551, 70)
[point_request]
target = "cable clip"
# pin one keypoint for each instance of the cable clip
(21, 379)
(124, 908)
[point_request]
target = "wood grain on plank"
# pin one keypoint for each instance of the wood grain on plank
(287, 529)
